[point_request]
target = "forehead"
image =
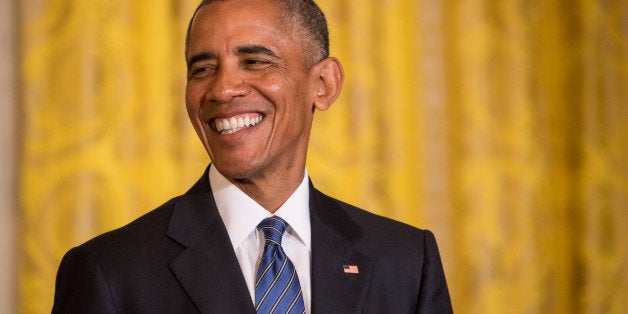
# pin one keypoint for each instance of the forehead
(236, 22)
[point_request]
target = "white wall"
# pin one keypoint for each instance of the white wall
(8, 152)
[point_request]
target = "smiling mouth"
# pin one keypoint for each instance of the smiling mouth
(237, 123)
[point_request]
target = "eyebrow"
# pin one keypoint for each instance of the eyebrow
(256, 49)
(241, 50)
(203, 56)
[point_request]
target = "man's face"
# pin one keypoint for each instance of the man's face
(249, 93)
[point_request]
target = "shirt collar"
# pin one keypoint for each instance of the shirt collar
(241, 214)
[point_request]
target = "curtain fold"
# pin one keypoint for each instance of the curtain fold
(499, 125)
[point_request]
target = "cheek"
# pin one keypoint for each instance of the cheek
(288, 93)
(193, 99)
(274, 88)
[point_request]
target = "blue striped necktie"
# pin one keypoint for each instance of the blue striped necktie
(277, 288)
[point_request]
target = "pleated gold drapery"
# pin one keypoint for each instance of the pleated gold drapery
(500, 125)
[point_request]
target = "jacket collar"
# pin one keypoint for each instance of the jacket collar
(334, 235)
(209, 271)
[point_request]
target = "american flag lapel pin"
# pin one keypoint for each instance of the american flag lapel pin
(350, 269)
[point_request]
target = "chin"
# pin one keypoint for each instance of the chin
(234, 169)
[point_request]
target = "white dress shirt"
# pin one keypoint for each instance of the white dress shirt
(241, 215)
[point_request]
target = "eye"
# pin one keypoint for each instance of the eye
(201, 71)
(256, 63)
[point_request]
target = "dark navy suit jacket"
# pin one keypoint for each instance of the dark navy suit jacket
(178, 259)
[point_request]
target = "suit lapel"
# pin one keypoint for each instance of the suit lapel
(209, 272)
(333, 236)
(207, 269)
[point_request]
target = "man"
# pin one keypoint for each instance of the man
(253, 234)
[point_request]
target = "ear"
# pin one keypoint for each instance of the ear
(329, 77)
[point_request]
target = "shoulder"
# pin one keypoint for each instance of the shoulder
(133, 243)
(123, 269)
(382, 233)
(373, 222)
(404, 260)
(150, 230)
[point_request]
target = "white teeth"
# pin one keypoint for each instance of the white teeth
(233, 124)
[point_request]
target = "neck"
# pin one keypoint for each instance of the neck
(271, 192)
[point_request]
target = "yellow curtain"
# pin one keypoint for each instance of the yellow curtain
(502, 126)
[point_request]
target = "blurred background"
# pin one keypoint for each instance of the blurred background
(502, 126)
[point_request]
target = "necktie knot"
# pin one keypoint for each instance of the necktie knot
(273, 229)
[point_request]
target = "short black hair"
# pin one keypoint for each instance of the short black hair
(306, 13)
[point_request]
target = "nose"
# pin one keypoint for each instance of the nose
(227, 84)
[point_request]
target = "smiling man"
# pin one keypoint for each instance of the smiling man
(253, 234)
(245, 63)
